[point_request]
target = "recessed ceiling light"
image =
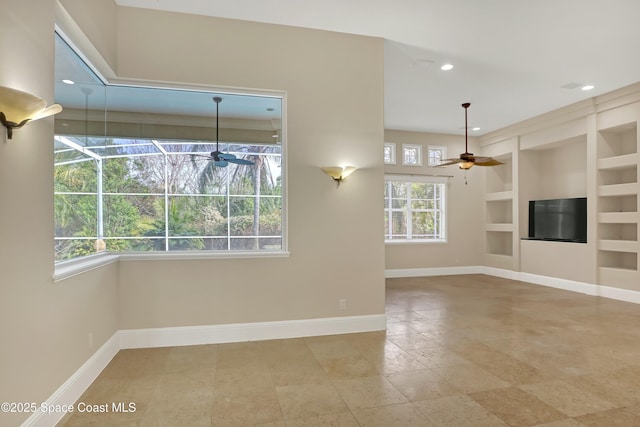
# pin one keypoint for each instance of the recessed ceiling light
(446, 67)
(587, 87)
(69, 82)
(476, 128)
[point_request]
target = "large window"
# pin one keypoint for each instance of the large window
(414, 209)
(133, 170)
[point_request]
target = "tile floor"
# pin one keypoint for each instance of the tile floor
(470, 350)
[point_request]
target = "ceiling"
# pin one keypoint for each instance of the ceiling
(513, 59)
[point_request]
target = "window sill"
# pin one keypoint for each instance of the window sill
(414, 242)
(149, 256)
(66, 269)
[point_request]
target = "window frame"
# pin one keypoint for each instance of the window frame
(421, 179)
(441, 148)
(418, 148)
(392, 147)
(71, 267)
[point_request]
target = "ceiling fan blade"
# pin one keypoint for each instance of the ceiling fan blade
(240, 161)
(487, 161)
(221, 163)
(448, 162)
(226, 156)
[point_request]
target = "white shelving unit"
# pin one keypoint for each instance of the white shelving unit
(499, 213)
(618, 209)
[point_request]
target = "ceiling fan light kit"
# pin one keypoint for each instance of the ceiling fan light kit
(17, 108)
(467, 160)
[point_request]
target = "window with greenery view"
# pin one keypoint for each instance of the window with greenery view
(132, 172)
(414, 209)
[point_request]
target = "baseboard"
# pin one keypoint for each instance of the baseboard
(69, 392)
(436, 271)
(620, 294)
(553, 282)
(218, 334)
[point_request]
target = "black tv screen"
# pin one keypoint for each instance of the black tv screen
(558, 220)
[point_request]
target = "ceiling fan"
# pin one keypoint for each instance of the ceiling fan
(467, 159)
(219, 158)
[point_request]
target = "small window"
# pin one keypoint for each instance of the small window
(389, 153)
(435, 155)
(414, 209)
(411, 155)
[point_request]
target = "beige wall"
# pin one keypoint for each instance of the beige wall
(464, 245)
(45, 326)
(333, 84)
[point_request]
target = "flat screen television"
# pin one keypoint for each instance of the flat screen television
(563, 220)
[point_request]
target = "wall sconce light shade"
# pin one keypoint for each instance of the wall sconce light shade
(17, 108)
(339, 173)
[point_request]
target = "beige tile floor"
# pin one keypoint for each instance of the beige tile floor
(471, 350)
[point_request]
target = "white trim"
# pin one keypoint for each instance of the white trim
(619, 294)
(69, 392)
(177, 255)
(66, 269)
(218, 334)
(443, 154)
(392, 146)
(554, 282)
(418, 148)
(437, 271)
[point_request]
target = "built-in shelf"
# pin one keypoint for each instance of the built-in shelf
(619, 260)
(617, 204)
(500, 228)
(618, 245)
(499, 243)
(618, 217)
(499, 196)
(499, 178)
(499, 213)
(627, 203)
(627, 189)
(618, 162)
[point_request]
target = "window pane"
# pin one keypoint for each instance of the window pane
(399, 223)
(76, 215)
(418, 215)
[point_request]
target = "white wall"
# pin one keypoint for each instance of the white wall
(45, 326)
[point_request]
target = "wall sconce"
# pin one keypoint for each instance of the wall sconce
(17, 108)
(339, 173)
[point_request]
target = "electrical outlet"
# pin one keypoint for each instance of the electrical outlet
(342, 304)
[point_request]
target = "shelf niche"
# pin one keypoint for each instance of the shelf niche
(618, 205)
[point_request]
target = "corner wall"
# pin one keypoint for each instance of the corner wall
(45, 325)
